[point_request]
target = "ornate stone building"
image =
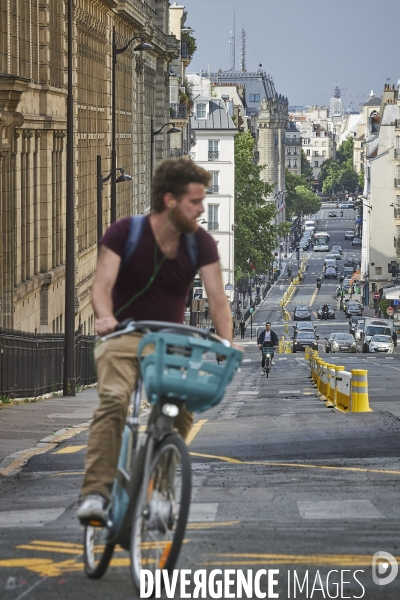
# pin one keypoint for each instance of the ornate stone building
(33, 82)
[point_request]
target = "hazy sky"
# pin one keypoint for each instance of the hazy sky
(305, 45)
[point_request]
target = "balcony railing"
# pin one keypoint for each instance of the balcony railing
(398, 247)
(213, 189)
(184, 50)
(397, 123)
(293, 142)
(192, 155)
(178, 111)
(213, 155)
(213, 226)
(397, 183)
(397, 153)
(397, 212)
(176, 153)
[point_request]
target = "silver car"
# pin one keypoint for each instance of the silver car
(343, 342)
(381, 343)
(359, 329)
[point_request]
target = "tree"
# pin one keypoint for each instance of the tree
(345, 151)
(338, 174)
(306, 169)
(308, 202)
(299, 197)
(256, 234)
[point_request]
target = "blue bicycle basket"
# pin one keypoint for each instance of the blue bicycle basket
(177, 368)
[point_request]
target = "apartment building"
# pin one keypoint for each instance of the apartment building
(293, 146)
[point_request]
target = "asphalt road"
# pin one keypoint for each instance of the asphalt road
(280, 482)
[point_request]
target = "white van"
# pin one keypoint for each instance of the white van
(310, 226)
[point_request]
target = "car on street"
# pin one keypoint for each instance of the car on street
(347, 273)
(332, 213)
(353, 309)
(336, 249)
(302, 313)
(305, 339)
(353, 322)
(336, 254)
(344, 205)
(359, 330)
(330, 273)
(350, 262)
(381, 343)
(304, 326)
(340, 342)
(330, 257)
(356, 241)
(330, 263)
(346, 285)
(331, 312)
(348, 235)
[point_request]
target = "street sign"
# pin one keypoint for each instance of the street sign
(390, 311)
(229, 287)
(251, 310)
(377, 295)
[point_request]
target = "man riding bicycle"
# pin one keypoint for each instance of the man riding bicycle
(152, 285)
(267, 338)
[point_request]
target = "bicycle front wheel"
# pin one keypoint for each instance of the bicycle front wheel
(162, 510)
(267, 363)
(96, 550)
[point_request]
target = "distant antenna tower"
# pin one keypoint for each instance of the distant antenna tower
(335, 91)
(232, 45)
(243, 54)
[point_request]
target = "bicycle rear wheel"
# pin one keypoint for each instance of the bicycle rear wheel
(267, 363)
(96, 551)
(162, 510)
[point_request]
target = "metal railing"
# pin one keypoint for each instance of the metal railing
(213, 155)
(397, 183)
(184, 50)
(32, 364)
(397, 153)
(178, 111)
(213, 226)
(213, 189)
(397, 123)
(397, 212)
(192, 155)
(397, 247)
(176, 152)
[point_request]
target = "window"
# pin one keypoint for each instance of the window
(288, 151)
(213, 149)
(289, 164)
(254, 97)
(308, 152)
(201, 110)
(324, 144)
(323, 152)
(378, 270)
(316, 153)
(316, 164)
(295, 164)
(214, 186)
(212, 220)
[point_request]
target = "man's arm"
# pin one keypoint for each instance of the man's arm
(104, 280)
(217, 301)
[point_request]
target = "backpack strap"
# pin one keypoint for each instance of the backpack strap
(135, 233)
(191, 246)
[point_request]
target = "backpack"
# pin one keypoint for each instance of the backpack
(134, 237)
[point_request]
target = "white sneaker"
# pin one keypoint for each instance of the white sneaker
(92, 508)
(262, 372)
(272, 362)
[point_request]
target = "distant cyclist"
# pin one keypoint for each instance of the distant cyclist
(267, 338)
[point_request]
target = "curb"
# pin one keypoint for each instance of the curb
(33, 399)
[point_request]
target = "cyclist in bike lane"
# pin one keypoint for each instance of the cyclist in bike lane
(267, 338)
(152, 285)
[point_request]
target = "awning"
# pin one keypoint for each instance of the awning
(392, 293)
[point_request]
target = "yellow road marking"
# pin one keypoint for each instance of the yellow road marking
(67, 435)
(50, 549)
(19, 462)
(212, 525)
(194, 431)
(313, 296)
(61, 474)
(295, 465)
(70, 449)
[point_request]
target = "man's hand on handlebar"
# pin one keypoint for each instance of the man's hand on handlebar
(105, 325)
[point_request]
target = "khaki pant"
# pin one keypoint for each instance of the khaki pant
(117, 368)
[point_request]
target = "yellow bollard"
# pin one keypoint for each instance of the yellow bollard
(337, 369)
(359, 391)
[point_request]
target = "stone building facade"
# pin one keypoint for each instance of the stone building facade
(33, 88)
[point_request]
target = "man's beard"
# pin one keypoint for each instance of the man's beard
(182, 223)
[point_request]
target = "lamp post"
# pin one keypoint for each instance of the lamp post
(100, 181)
(153, 135)
(115, 51)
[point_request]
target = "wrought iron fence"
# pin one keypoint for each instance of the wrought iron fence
(213, 155)
(32, 364)
(178, 111)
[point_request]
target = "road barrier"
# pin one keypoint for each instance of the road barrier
(285, 346)
(344, 390)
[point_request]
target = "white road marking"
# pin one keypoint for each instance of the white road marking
(290, 392)
(29, 518)
(203, 512)
(338, 509)
(249, 393)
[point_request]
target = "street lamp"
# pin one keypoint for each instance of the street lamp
(100, 181)
(115, 51)
(153, 134)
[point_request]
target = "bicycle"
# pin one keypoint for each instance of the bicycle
(150, 499)
(267, 353)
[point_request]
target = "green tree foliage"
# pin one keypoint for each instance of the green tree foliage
(338, 174)
(361, 179)
(299, 197)
(256, 235)
(187, 38)
(306, 169)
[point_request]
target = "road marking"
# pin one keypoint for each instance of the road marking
(344, 560)
(249, 393)
(222, 458)
(338, 509)
(194, 431)
(247, 360)
(290, 392)
(23, 458)
(70, 449)
(29, 518)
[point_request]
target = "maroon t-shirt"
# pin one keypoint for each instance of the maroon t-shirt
(164, 298)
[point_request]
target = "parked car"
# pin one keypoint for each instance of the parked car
(353, 309)
(340, 342)
(331, 312)
(332, 213)
(348, 235)
(330, 273)
(302, 313)
(304, 326)
(305, 339)
(381, 343)
(356, 241)
(354, 319)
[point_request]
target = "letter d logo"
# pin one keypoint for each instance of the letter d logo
(380, 565)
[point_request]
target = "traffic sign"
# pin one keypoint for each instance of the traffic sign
(251, 310)
(390, 311)
(377, 295)
(229, 287)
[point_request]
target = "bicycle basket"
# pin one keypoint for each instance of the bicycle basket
(268, 350)
(178, 369)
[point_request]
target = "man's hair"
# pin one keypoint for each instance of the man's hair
(268, 323)
(173, 175)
